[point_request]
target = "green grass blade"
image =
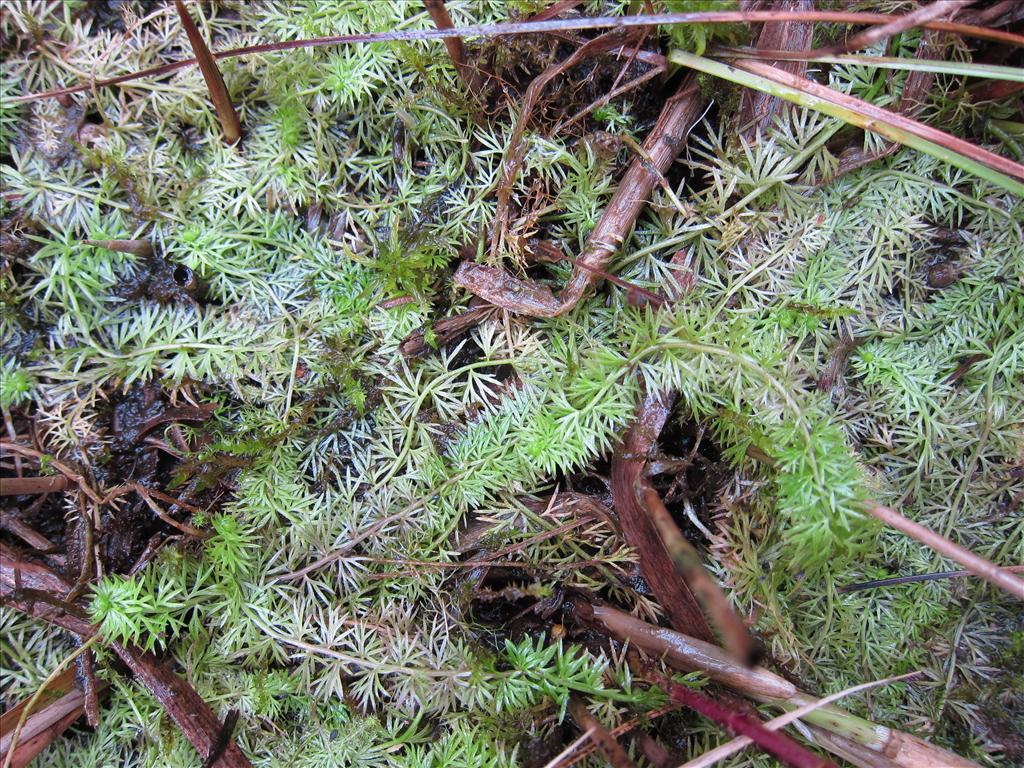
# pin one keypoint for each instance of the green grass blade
(894, 127)
(959, 68)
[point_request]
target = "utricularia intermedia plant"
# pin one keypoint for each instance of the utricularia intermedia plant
(371, 533)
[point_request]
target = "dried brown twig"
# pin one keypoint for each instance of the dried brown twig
(629, 467)
(147, 495)
(23, 486)
(35, 590)
(913, 19)
(606, 743)
(456, 50)
(663, 144)
(56, 465)
(758, 108)
(737, 638)
(445, 331)
(977, 565)
(516, 148)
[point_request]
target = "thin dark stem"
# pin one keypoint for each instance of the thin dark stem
(977, 565)
(546, 25)
(778, 745)
(897, 580)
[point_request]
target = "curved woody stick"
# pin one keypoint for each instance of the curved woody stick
(663, 144)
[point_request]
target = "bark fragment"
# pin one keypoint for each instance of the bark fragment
(629, 466)
(36, 590)
(758, 108)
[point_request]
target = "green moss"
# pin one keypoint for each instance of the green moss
(696, 38)
(15, 385)
(364, 173)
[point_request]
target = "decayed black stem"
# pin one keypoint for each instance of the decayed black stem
(918, 577)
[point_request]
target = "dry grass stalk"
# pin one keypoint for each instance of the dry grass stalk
(211, 74)
(546, 25)
(738, 640)
(977, 565)
(689, 654)
(913, 19)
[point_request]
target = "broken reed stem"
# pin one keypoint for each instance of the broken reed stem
(723, 751)
(690, 654)
(776, 744)
(211, 74)
(757, 109)
(136, 247)
(45, 726)
(456, 50)
(10, 522)
(24, 486)
(38, 694)
(995, 72)
(896, 127)
(709, 594)
(850, 751)
(976, 564)
(609, 746)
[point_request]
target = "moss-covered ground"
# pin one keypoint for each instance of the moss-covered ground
(831, 337)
